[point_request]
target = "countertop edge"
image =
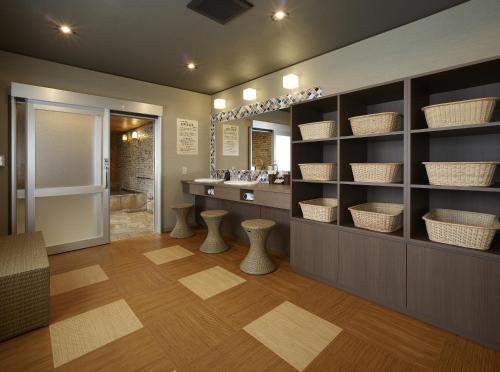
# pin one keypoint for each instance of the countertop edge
(264, 187)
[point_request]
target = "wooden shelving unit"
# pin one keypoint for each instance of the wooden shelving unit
(401, 269)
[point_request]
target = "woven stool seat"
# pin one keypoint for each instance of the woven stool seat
(257, 261)
(215, 213)
(181, 229)
(258, 224)
(214, 243)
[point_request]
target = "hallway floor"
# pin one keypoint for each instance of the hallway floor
(158, 304)
(125, 225)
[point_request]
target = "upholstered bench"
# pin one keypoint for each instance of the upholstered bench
(24, 284)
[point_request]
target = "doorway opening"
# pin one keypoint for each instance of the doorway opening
(132, 176)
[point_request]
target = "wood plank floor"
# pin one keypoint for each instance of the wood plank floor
(183, 332)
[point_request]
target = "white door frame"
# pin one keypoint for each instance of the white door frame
(67, 98)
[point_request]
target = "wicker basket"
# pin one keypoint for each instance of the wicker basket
(318, 130)
(464, 229)
(376, 123)
(323, 209)
(377, 172)
(382, 217)
(473, 111)
(479, 173)
(318, 171)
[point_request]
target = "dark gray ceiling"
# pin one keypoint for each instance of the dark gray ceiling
(151, 40)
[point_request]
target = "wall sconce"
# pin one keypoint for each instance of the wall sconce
(135, 135)
(290, 81)
(249, 94)
(124, 137)
(219, 103)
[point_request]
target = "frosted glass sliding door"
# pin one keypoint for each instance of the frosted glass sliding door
(67, 195)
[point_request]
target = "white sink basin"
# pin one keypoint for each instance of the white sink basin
(240, 183)
(208, 180)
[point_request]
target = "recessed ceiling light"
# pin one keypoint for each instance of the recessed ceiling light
(191, 66)
(279, 15)
(65, 29)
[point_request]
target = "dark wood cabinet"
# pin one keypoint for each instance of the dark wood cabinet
(373, 267)
(451, 288)
(314, 250)
(279, 237)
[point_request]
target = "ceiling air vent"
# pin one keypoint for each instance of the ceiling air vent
(221, 11)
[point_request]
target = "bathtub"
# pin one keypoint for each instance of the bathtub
(127, 200)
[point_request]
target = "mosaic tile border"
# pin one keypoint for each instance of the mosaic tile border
(271, 104)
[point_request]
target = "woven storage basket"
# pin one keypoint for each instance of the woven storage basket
(318, 171)
(377, 172)
(376, 123)
(322, 209)
(382, 217)
(479, 173)
(465, 229)
(318, 130)
(472, 111)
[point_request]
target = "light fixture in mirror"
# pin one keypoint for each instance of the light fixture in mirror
(290, 81)
(124, 137)
(219, 103)
(249, 94)
(135, 135)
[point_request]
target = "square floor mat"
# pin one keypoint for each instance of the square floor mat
(296, 335)
(76, 336)
(210, 282)
(70, 280)
(169, 254)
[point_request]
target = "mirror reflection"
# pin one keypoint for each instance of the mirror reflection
(260, 142)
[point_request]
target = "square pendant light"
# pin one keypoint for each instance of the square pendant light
(290, 81)
(249, 94)
(135, 135)
(219, 103)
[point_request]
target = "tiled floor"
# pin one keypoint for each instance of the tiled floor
(160, 309)
(124, 225)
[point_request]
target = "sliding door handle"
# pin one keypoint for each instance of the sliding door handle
(106, 173)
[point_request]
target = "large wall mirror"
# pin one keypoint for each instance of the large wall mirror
(259, 142)
(256, 136)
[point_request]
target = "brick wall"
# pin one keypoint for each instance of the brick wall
(132, 162)
(262, 149)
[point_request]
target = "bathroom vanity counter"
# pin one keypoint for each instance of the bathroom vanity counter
(259, 186)
(274, 196)
(270, 202)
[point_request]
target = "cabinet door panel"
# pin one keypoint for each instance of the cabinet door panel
(314, 250)
(279, 238)
(456, 291)
(238, 212)
(373, 267)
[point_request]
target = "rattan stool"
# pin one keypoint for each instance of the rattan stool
(257, 261)
(214, 242)
(181, 229)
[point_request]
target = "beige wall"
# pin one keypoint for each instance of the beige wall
(462, 34)
(177, 103)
